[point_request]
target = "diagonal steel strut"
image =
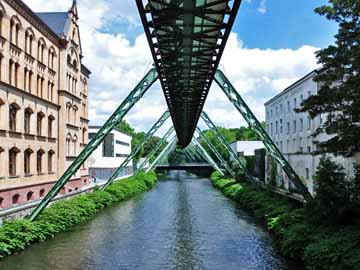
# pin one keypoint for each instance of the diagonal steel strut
(134, 96)
(164, 153)
(138, 147)
(156, 148)
(207, 156)
(217, 154)
(255, 125)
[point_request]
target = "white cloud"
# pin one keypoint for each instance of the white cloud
(262, 6)
(117, 65)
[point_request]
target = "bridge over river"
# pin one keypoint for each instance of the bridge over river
(183, 223)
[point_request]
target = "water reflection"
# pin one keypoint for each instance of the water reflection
(182, 224)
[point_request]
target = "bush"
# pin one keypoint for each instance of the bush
(320, 247)
(19, 234)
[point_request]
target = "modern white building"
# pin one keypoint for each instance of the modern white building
(112, 152)
(292, 132)
(246, 148)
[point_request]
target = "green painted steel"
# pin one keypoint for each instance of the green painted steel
(164, 153)
(134, 96)
(255, 125)
(240, 161)
(217, 154)
(207, 156)
(155, 149)
(193, 150)
(138, 147)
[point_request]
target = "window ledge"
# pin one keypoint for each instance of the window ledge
(41, 174)
(14, 176)
(51, 173)
(41, 137)
(29, 175)
(14, 132)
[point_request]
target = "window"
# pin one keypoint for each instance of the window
(271, 129)
(301, 149)
(15, 199)
(309, 122)
(40, 117)
(74, 147)
(301, 98)
(68, 112)
(68, 144)
(50, 126)
(276, 127)
(281, 126)
(122, 143)
(11, 70)
(281, 108)
(42, 193)
(13, 109)
(29, 195)
(288, 127)
(50, 161)
(301, 124)
(281, 146)
(122, 155)
(14, 31)
(1, 202)
(288, 106)
(41, 49)
(108, 146)
(27, 161)
(84, 135)
(29, 38)
(39, 158)
(307, 173)
(271, 113)
(294, 126)
(27, 120)
(309, 94)
(295, 103)
(12, 160)
(16, 79)
(309, 149)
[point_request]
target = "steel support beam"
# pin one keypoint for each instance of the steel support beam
(193, 150)
(255, 125)
(239, 161)
(207, 156)
(138, 147)
(164, 153)
(217, 154)
(135, 95)
(156, 148)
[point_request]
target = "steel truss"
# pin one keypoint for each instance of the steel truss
(134, 152)
(187, 39)
(156, 148)
(135, 95)
(255, 125)
(207, 157)
(217, 154)
(164, 153)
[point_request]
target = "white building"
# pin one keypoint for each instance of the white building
(246, 148)
(112, 152)
(292, 132)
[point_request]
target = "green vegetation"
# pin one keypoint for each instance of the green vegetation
(339, 95)
(16, 235)
(319, 246)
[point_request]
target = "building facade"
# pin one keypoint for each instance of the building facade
(43, 101)
(292, 133)
(112, 152)
(246, 148)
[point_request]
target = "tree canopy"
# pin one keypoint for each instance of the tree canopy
(338, 97)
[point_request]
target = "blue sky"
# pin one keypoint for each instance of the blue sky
(271, 46)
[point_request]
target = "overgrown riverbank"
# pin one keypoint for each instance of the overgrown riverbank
(16, 235)
(319, 247)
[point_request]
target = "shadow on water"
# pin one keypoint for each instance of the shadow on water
(183, 223)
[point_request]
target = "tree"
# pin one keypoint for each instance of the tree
(339, 81)
(125, 127)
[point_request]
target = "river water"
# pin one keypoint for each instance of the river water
(183, 223)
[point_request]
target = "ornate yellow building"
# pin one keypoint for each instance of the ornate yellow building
(43, 101)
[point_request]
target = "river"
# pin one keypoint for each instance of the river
(183, 223)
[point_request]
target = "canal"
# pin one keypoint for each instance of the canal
(183, 223)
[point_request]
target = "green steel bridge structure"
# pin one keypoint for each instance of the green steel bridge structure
(187, 39)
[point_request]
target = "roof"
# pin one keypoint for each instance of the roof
(57, 21)
(247, 147)
(114, 129)
(286, 90)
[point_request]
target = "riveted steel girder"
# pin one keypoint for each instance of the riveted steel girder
(134, 96)
(187, 39)
(138, 147)
(206, 156)
(164, 153)
(255, 125)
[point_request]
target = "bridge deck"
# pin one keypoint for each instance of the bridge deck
(187, 39)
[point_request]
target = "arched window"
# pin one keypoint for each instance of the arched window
(13, 109)
(41, 50)
(14, 30)
(50, 126)
(75, 108)
(2, 120)
(2, 170)
(69, 59)
(29, 195)
(40, 118)
(74, 147)
(13, 152)
(27, 120)
(15, 199)
(29, 38)
(2, 15)
(68, 144)
(42, 193)
(1, 202)
(27, 161)
(11, 71)
(50, 161)
(39, 159)
(84, 135)
(51, 59)
(68, 112)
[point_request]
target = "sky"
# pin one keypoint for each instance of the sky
(272, 44)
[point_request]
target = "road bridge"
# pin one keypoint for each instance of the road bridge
(187, 39)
